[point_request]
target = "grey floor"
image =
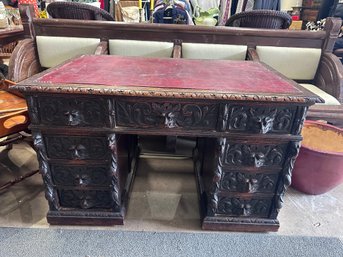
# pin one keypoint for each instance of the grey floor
(164, 199)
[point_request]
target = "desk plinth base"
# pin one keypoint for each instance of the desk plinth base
(239, 224)
(68, 218)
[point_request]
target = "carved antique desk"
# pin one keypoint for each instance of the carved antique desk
(85, 115)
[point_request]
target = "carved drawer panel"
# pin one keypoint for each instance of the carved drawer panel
(254, 155)
(262, 119)
(244, 207)
(166, 115)
(77, 148)
(244, 182)
(76, 112)
(90, 199)
(80, 175)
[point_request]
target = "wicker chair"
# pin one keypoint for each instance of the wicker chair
(77, 11)
(267, 19)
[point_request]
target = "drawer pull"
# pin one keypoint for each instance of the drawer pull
(169, 120)
(251, 185)
(82, 181)
(85, 204)
(78, 151)
(74, 117)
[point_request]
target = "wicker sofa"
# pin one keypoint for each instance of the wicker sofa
(303, 56)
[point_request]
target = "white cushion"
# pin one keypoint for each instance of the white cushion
(140, 48)
(294, 63)
(55, 50)
(213, 51)
(329, 99)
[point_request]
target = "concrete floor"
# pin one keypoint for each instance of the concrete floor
(163, 199)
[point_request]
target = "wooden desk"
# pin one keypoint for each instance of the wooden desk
(85, 115)
(10, 35)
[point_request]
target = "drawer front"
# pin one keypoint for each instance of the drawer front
(244, 207)
(262, 119)
(75, 112)
(244, 182)
(254, 155)
(77, 148)
(80, 175)
(166, 115)
(90, 199)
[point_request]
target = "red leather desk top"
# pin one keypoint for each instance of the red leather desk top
(221, 75)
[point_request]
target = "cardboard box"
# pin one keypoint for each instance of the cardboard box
(296, 25)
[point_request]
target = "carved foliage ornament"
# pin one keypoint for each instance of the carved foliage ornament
(249, 182)
(80, 175)
(241, 207)
(255, 155)
(169, 115)
(76, 148)
(261, 119)
(74, 111)
(85, 199)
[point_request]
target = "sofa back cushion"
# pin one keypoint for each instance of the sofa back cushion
(140, 48)
(328, 99)
(213, 51)
(55, 50)
(294, 63)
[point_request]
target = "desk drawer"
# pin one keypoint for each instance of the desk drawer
(254, 155)
(74, 112)
(86, 199)
(246, 207)
(247, 182)
(260, 119)
(77, 147)
(170, 115)
(86, 175)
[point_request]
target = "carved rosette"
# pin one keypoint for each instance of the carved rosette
(260, 119)
(255, 155)
(33, 107)
(213, 196)
(286, 176)
(114, 172)
(50, 192)
(168, 115)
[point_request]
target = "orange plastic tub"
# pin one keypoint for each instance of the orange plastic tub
(319, 166)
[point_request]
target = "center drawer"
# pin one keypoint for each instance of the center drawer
(144, 114)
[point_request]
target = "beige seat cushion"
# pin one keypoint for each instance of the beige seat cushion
(213, 51)
(329, 99)
(294, 63)
(55, 50)
(140, 48)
